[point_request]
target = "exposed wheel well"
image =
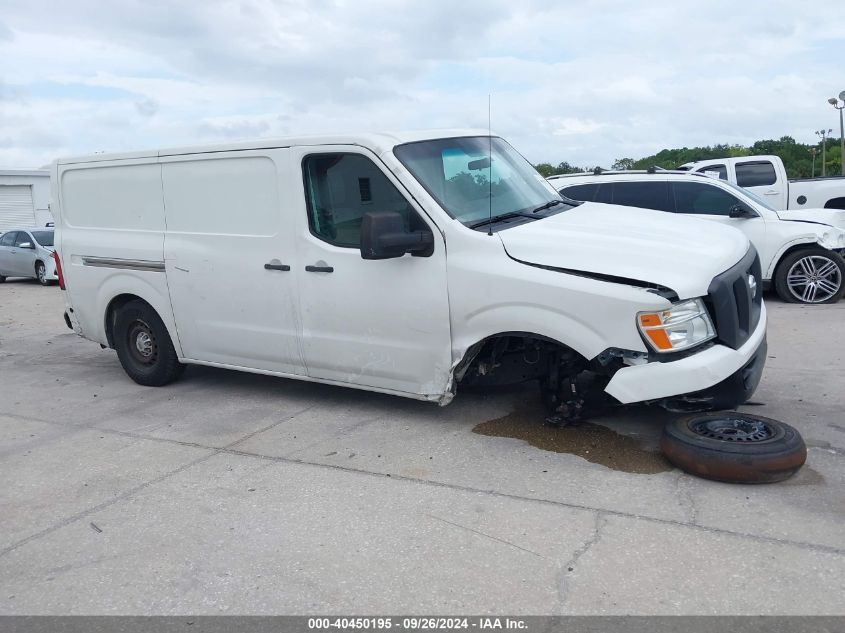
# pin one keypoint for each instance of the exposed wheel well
(512, 357)
(835, 203)
(111, 311)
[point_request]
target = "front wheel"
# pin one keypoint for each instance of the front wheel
(734, 447)
(810, 275)
(41, 274)
(144, 346)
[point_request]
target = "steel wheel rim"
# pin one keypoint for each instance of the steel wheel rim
(141, 342)
(734, 429)
(814, 279)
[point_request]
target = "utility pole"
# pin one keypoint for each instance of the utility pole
(823, 134)
(814, 151)
(835, 103)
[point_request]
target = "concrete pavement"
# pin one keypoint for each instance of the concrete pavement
(236, 493)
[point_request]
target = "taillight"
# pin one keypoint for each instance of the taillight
(59, 269)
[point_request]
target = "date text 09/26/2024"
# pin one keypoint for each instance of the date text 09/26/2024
(415, 623)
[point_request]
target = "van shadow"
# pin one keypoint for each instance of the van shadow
(624, 438)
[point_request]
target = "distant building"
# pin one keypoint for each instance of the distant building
(24, 198)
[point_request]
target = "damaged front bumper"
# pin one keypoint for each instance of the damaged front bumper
(716, 378)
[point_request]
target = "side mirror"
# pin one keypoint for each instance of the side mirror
(739, 211)
(25, 245)
(383, 236)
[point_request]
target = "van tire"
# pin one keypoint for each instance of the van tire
(734, 447)
(818, 256)
(143, 345)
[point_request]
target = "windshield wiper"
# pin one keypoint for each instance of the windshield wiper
(496, 218)
(548, 205)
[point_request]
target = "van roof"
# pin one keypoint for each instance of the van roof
(378, 142)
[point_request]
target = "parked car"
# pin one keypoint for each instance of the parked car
(765, 176)
(402, 264)
(800, 252)
(27, 253)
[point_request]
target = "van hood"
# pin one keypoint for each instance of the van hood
(831, 217)
(638, 245)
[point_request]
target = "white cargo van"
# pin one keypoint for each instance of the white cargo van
(371, 261)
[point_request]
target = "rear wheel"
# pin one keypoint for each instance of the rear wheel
(811, 275)
(41, 273)
(144, 346)
(2, 279)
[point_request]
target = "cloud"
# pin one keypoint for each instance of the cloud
(587, 83)
(147, 107)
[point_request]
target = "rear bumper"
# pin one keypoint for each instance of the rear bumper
(728, 374)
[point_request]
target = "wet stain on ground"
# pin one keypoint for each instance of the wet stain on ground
(805, 477)
(593, 442)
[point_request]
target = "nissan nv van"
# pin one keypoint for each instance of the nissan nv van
(405, 264)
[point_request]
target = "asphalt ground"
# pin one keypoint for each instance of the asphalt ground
(235, 493)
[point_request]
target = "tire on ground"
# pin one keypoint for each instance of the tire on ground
(782, 287)
(734, 447)
(143, 345)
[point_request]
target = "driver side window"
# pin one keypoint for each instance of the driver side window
(22, 238)
(702, 198)
(340, 189)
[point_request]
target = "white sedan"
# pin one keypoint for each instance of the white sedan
(28, 253)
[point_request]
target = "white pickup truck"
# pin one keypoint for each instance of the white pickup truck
(765, 176)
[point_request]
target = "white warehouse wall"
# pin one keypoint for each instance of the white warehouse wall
(39, 181)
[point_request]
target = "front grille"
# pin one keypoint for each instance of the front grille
(734, 306)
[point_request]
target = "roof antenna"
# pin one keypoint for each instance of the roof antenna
(490, 164)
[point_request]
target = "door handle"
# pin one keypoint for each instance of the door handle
(771, 192)
(319, 269)
(275, 264)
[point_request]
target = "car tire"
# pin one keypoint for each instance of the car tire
(41, 273)
(2, 279)
(144, 347)
(811, 275)
(734, 447)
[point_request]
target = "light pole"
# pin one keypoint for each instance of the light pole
(823, 134)
(835, 103)
(814, 151)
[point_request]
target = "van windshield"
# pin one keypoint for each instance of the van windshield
(469, 175)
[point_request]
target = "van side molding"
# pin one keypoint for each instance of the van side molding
(143, 265)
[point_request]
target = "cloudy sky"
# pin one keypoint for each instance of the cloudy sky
(587, 81)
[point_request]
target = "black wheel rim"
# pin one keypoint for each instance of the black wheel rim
(734, 429)
(141, 343)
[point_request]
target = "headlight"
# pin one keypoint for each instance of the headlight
(684, 325)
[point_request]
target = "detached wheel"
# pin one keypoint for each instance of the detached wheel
(734, 447)
(41, 273)
(810, 275)
(144, 347)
